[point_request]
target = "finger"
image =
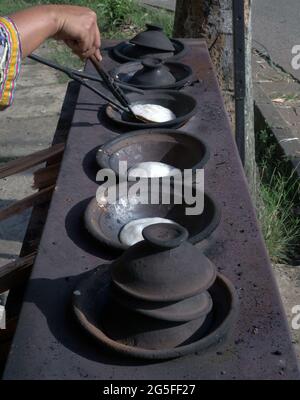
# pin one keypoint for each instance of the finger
(97, 40)
(76, 48)
(73, 46)
(86, 42)
(89, 52)
(97, 44)
(70, 43)
(98, 55)
(82, 54)
(78, 54)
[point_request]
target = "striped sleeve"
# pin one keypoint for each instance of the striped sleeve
(10, 60)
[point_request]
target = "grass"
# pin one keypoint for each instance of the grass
(117, 19)
(280, 227)
(278, 197)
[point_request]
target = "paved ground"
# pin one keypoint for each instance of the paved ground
(26, 127)
(29, 124)
(276, 27)
(284, 94)
(275, 32)
(167, 4)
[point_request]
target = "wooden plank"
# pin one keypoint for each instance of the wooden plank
(23, 163)
(39, 212)
(16, 272)
(29, 201)
(45, 176)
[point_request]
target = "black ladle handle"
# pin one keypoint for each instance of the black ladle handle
(115, 90)
(120, 84)
(76, 77)
(108, 82)
(108, 99)
(51, 64)
(73, 72)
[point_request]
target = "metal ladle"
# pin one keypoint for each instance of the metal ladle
(115, 90)
(123, 104)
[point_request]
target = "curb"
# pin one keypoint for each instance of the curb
(166, 5)
(267, 116)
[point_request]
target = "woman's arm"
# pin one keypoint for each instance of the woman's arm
(22, 32)
(76, 26)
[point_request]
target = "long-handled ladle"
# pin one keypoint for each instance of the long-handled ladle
(115, 90)
(109, 82)
(114, 87)
(79, 77)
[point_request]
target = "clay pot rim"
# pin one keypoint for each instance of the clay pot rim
(176, 297)
(172, 86)
(157, 314)
(117, 51)
(199, 237)
(115, 115)
(103, 156)
(213, 338)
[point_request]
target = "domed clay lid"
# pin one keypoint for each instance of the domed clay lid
(153, 73)
(154, 38)
(163, 267)
(179, 311)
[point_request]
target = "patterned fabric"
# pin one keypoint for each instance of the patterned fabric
(10, 60)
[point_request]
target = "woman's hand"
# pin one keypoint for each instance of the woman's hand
(79, 30)
(76, 26)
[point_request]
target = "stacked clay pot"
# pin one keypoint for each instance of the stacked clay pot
(159, 293)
